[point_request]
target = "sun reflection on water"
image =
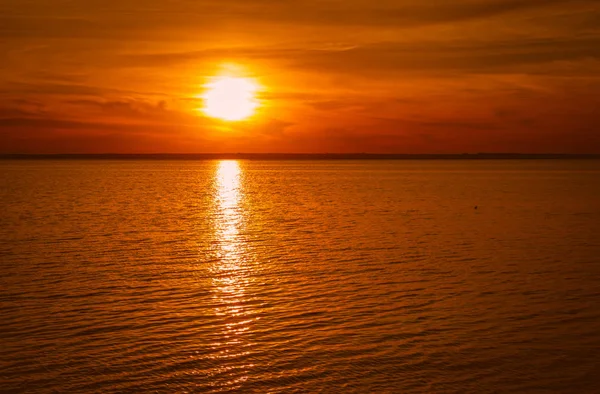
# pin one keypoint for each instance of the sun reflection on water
(231, 272)
(229, 215)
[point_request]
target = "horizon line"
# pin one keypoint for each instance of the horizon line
(297, 156)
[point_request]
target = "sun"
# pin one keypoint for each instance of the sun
(230, 98)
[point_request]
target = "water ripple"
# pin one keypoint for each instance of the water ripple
(298, 277)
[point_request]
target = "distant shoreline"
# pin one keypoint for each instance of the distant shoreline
(299, 156)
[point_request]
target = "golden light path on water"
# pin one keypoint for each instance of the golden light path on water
(230, 273)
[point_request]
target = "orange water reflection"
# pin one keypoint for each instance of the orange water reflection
(230, 272)
(229, 216)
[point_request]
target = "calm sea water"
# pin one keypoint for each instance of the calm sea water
(325, 276)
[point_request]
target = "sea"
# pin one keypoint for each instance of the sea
(300, 276)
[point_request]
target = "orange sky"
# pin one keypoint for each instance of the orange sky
(401, 76)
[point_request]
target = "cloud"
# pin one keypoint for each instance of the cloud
(100, 115)
(128, 109)
(502, 57)
(56, 135)
(150, 19)
(399, 13)
(62, 89)
(431, 57)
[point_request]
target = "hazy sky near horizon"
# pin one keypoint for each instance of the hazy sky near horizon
(401, 76)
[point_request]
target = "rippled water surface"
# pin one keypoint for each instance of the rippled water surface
(299, 276)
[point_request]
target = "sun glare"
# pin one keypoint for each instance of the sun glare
(230, 98)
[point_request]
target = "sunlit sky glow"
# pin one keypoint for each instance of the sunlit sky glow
(400, 76)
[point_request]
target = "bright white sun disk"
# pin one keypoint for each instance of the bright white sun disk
(230, 98)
